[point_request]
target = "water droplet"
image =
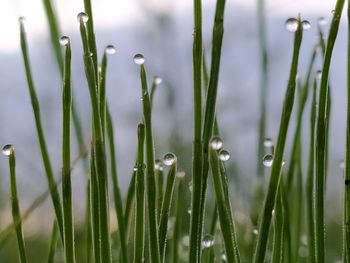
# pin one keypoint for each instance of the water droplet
(291, 24)
(223, 257)
(321, 21)
(306, 25)
(342, 164)
(82, 17)
(8, 149)
(157, 80)
(139, 59)
(90, 54)
(333, 11)
(216, 143)
(180, 174)
(208, 241)
(273, 212)
(267, 160)
(110, 49)
(318, 74)
(283, 162)
(224, 155)
(135, 168)
(268, 142)
(64, 41)
(255, 231)
(190, 186)
(169, 159)
(22, 19)
(159, 165)
(304, 240)
(189, 211)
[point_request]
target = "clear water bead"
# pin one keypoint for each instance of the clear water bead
(64, 41)
(82, 17)
(291, 24)
(180, 174)
(318, 74)
(169, 159)
(139, 59)
(22, 19)
(224, 155)
(8, 149)
(223, 257)
(190, 186)
(306, 25)
(208, 241)
(321, 21)
(110, 49)
(216, 143)
(159, 165)
(268, 142)
(157, 80)
(255, 231)
(267, 160)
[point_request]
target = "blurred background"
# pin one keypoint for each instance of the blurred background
(162, 31)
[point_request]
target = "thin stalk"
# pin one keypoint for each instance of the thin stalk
(178, 220)
(130, 198)
(160, 181)
(116, 190)
(99, 146)
(347, 156)
(278, 239)
(53, 243)
(311, 180)
(166, 205)
(264, 71)
(68, 225)
(16, 214)
(88, 226)
(210, 107)
(54, 36)
(139, 241)
(224, 209)
(196, 225)
(150, 181)
(321, 135)
(278, 154)
(41, 137)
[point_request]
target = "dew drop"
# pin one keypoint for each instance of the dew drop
(8, 149)
(283, 162)
(135, 168)
(268, 143)
(273, 212)
(267, 160)
(224, 155)
(190, 186)
(255, 231)
(216, 143)
(306, 25)
(157, 80)
(180, 174)
(189, 211)
(318, 74)
(110, 49)
(342, 164)
(291, 24)
(223, 257)
(82, 17)
(321, 21)
(22, 19)
(208, 241)
(64, 41)
(139, 59)
(169, 159)
(159, 165)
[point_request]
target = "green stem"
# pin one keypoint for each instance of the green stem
(53, 243)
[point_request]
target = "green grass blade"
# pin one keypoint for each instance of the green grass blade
(166, 205)
(16, 214)
(68, 225)
(269, 202)
(139, 242)
(321, 135)
(44, 152)
(311, 180)
(88, 226)
(116, 190)
(151, 182)
(278, 239)
(160, 183)
(53, 243)
(224, 209)
(347, 155)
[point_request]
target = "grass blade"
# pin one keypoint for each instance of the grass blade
(269, 202)
(168, 196)
(139, 242)
(44, 152)
(53, 243)
(278, 239)
(9, 151)
(321, 135)
(68, 225)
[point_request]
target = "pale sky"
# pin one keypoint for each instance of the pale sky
(110, 13)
